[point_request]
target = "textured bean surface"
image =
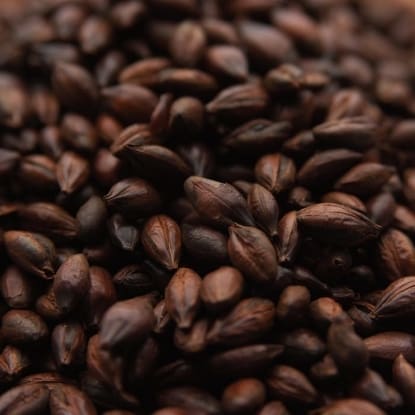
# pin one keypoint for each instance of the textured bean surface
(207, 207)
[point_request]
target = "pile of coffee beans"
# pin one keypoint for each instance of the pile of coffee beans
(207, 207)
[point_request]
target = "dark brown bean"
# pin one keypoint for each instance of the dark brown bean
(75, 87)
(220, 203)
(126, 321)
(221, 289)
(71, 282)
(275, 172)
(337, 223)
(49, 219)
(68, 344)
(161, 239)
(131, 103)
(32, 252)
(291, 385)
(245, 395)
(67, 399)
(23, 327)
(247, 321)
(72, 172)
(183, 297)
(347, 349)
(17, 288)
(252, 253)
(245, 360)
(133, 197)
(25, 399)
